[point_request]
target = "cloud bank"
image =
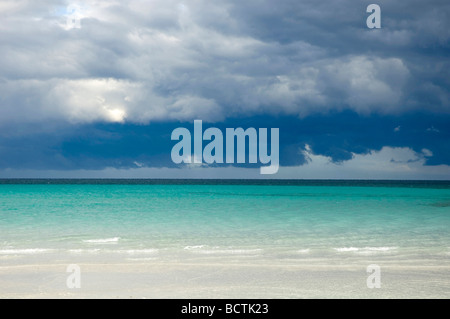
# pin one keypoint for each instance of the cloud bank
(95, 85)
(141, 61)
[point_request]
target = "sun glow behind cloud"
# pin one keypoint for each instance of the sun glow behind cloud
(142, 62)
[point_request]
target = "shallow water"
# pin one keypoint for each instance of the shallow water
(187, 220)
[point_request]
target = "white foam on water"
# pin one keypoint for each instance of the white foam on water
(112, 251)
(6, 244)
(346, 249)
(149, 251)
(102, 240)
(229, 251)
(141, 259)
(28, 251)
(82, 251)
(193, 247)
(303, 251)
(365, 250)
(379, 248)
(212, 250)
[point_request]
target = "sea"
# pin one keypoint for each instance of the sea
(189, 220)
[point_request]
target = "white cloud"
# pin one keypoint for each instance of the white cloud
(99, 99)
(427, 153)
(368, 84)
(387, 163)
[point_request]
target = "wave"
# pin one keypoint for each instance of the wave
(102, 240)
(120, 251)
(141, 259)
(193, 247)
(81, 251)
(346, 249)
(28, 251)
(303, 251)
(228, 251)
(365, 250)
(150, 251)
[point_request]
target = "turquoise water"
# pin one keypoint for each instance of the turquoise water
(187, 220)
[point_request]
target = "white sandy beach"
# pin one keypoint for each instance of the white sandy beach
(226, 279)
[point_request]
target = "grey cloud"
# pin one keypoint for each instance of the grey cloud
(139, 61)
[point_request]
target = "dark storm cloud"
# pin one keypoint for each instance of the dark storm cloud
(108, 93)
(337, 136)
(165, 60)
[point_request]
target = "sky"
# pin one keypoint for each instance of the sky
(95, 88)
